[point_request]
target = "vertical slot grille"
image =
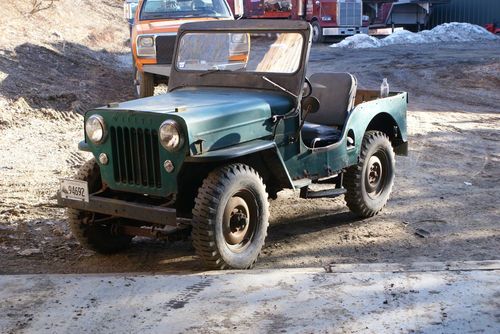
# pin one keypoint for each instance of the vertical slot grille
(350, 13)
(136, 156)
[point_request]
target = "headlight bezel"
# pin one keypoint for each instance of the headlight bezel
(102, 124)
(171, 124)
(146, 51)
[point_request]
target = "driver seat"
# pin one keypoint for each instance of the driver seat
(336, 93)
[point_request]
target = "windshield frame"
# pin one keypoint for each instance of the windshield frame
(292, 82)
(184, 16)
(208, 71)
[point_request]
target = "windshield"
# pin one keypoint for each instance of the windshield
(165, 9)
(270, 52)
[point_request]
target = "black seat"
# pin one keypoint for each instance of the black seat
(317, 135)
(336, 93)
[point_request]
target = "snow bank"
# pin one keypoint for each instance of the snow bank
(447, 32)
(360, 41)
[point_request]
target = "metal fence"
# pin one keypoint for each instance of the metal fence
(471, 11)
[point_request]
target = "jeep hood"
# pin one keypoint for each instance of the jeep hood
(215, 118)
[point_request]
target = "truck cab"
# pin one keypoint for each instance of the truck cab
(329, 18)
(154, 25)
(336, 18)
(240, 122)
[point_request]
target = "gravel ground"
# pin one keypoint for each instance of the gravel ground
(448, 186)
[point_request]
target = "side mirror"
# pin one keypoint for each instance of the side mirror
(309, 105)
(129, 8)
(239, 9)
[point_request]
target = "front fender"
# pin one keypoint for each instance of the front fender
(251, 152)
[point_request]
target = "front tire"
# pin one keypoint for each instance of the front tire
(317, 33)
(230, 218)
(144, 83)
(99, 237)
(369, 183)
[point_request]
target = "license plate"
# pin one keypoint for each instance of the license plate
(75, 190)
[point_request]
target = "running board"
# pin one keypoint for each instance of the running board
(329, 193)
(301, 183)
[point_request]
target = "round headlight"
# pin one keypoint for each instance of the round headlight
(95, 129)
(170, 135)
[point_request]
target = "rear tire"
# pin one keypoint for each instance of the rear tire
(230, 218)
(95, 236)
(144, 83)
(369, 183)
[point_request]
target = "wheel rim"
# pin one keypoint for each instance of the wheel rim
(376, 174)
(315, 33)
(239, 221)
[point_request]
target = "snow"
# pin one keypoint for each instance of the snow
(447, 32)
(360, 41)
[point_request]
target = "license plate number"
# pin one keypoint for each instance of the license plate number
(75, 189)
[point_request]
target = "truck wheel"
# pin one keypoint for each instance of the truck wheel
(230, 218)
(96, 236)
(317, 33)
(369, 183)
(144, 83)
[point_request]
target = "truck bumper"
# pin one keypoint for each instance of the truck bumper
(163, 70)
(123, 209)
(344, 31)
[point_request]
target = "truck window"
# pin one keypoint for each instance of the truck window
(171, 9)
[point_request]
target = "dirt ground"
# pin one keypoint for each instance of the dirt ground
(52, 70)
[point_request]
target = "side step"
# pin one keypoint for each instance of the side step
(301, 183)
(329, 193)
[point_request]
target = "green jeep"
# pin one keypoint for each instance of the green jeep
(240, 122)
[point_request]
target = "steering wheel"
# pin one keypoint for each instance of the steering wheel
(309, 87)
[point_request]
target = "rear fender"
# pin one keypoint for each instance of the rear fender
(387, 115)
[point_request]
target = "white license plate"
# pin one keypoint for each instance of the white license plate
(75, 189)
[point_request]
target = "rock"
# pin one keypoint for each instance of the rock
(30, 251)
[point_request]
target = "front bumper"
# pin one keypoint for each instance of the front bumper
(163, 70)
(344, 31)
(123, 209)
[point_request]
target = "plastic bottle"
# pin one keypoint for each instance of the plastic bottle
(384, 88)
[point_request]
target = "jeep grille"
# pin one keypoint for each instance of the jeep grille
(136, 159)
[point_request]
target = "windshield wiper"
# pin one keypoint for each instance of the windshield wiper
(156, 16)
(212, 71)
(216, 70)
(280, 87)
